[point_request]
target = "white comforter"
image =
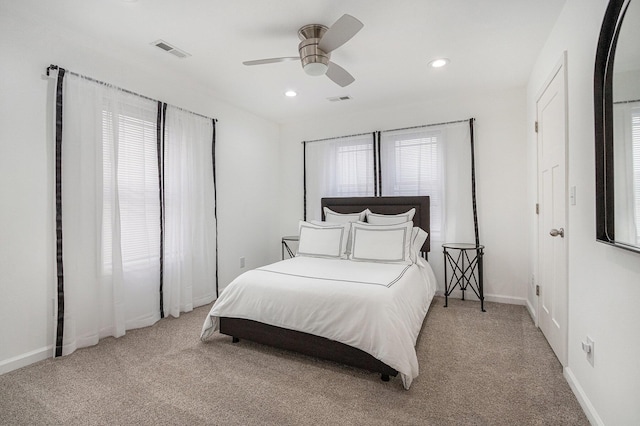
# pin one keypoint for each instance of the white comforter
(376, 307)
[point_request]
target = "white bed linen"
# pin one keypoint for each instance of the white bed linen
(376, 307)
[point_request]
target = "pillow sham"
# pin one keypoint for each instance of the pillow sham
(389, 219)
(347, 231)
(381, 243)
(418, 237)
(328, 240)
(331, 216)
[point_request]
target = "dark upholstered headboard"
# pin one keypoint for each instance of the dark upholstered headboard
(385, 205)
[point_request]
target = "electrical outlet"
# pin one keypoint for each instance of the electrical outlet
(242, 262)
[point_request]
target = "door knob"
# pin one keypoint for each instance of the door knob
(555, 232)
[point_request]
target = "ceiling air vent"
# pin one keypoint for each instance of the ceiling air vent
(171, 49)
(340, 98)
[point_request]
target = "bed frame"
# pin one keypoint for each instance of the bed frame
(321, 347)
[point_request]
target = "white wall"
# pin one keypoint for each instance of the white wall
(247, 158)
(604, 282)
(500, 173)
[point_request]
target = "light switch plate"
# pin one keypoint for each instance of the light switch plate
(572, 195)
(591, 354)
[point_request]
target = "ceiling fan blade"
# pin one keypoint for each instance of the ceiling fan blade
(339, 75)
(340, 33)
(271, 60)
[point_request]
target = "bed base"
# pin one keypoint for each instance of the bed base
(304, 343)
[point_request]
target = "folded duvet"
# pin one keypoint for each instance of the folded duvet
(376, 307)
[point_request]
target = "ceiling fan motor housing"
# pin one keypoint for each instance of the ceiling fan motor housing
(314, 60)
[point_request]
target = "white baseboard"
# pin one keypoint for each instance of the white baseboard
(510, 300)
(532, 312)
(505, 299)
(586, 405)
(25, 359)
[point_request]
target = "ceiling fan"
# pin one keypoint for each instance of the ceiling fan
(316, 46)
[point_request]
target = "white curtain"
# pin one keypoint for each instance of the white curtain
(190, 228)
(341, 167)
(434, 161)
(110, 221)
(111, 213)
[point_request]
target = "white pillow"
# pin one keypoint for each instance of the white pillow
(331, 216)
(418, 237)
(381, 243)
(322, 241)
(389, 219)
(347, 230)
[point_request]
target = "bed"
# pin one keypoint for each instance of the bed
(347, 328)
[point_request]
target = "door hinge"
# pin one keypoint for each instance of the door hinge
(537, 208)
(537, 290)
(536, 127)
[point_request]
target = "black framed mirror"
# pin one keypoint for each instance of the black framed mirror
(617, 126)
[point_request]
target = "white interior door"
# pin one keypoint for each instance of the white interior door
(552, 223)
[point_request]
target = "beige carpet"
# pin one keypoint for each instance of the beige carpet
(492, 368)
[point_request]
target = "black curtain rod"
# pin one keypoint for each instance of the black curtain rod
(392, 130)
(55, 67)
(339, 137)
(430, 125)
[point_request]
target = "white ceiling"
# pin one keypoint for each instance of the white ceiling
(492, 44)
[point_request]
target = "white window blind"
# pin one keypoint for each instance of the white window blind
(131, 135)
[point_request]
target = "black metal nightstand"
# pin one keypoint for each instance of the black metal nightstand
(466, 270)
(285, 245)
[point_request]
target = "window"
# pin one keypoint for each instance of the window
(626, 171)
(110, 202)
(431, 160)
(411, 163)
(135, 158)
(635, 158)
(341, 167)
(354, 169)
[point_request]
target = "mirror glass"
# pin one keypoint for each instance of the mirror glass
(626, 128)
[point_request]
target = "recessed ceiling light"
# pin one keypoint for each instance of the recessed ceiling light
(290, 93)
(438, 63)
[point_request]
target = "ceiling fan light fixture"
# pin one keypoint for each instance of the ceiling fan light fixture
(315, 68)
